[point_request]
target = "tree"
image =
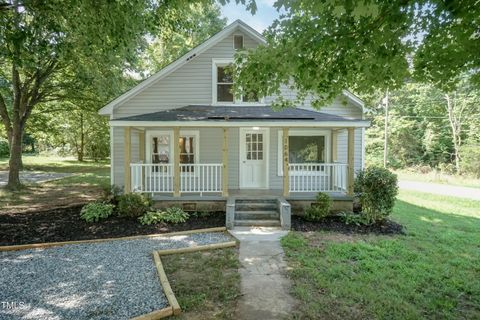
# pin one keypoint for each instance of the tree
(324, 47)
(201, 22)
(57, 50)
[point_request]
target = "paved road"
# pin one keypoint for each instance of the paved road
(441, 189)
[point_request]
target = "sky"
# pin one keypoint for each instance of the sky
(264, 16)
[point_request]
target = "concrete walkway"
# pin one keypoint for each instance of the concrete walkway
(441, 189)
(265, 289)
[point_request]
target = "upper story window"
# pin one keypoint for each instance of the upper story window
(223, 85)
(237, 42)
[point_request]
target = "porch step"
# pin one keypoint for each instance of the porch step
(255, 205)
(257, 215)
(257, 223)
(256, 212)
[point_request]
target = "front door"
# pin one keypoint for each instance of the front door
(253, 158)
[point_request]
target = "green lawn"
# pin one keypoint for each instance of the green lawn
(87, 182)
(206, 284)
(434, 177)
(433, 272)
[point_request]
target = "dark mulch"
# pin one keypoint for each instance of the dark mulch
(336, 224)
(64, 224)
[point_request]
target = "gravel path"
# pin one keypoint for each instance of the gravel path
(109, 280)
(33, 177)
(441, 189)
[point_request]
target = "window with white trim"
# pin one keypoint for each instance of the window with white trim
(305, 147)
(223, 85)
(238, 42)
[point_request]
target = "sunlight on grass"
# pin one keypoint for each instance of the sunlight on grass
(441, 178)
(432, 272)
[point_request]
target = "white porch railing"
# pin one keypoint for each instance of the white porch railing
(158, 178)
(317, 177)
(201, 177)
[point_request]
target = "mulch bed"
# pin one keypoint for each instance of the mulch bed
(64, 224)
(335, 224)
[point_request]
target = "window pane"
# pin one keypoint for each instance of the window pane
(187, 151)
(160, 149)
(224, 93)
(223, 76)
(306, 149)
(238, 42)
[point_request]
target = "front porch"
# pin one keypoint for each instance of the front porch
(177, 180)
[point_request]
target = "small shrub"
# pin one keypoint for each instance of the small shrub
(111, 194)
(353, 218)
(320, 209)
(4, 149)
(377, 189)
(172, 215)
(133, 205)
(96, 211)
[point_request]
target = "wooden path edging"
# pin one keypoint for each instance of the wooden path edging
(197, 248)
(146, 236)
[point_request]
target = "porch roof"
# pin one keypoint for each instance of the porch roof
(242, 114)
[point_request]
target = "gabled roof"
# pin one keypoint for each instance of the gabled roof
(106, 110)
(236, 113)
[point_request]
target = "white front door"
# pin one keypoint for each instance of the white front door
(254, 158)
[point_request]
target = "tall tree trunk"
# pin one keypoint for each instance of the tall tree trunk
(15, 162)
(81, 149)
(455, 126)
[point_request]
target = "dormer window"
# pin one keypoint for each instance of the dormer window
(237, 42)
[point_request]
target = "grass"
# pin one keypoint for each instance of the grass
(437, 177)
(206, 284)
(86, 184)
(433, 272)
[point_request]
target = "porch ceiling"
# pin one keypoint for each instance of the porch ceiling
(242, 115)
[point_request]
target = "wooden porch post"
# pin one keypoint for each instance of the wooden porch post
(286, 176)
(127, 160)
(176, 162)
(225, 163)
(334, 145)
(351, 138)
(141, 147)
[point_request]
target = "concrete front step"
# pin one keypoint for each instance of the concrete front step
(254, 205)
(257, 223)
(257, 215)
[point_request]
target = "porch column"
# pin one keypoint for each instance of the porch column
(334, 145)
(351, 137)
(225, 163)
(127, 160)
(286, 176)
(141, 147)
(176, 162)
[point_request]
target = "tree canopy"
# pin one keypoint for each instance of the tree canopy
(324, 47)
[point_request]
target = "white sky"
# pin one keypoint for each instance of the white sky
(264, 16)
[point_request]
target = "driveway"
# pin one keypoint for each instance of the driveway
(441, 189)
(33, 177)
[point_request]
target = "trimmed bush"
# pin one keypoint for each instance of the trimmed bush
(377, 189)
(133, 205)
(4, 149)
(96, 211)
(320, 209)
(171, 215)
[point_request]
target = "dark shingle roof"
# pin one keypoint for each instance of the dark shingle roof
(235, 113)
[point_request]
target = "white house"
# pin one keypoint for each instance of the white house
(182, 137)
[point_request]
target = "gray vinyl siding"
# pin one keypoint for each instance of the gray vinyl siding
(190, 84)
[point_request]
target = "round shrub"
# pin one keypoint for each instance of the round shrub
(171, 215)
(96, 211)
(377, 189)
(133, 205)
(320, 209)
(4, 149)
